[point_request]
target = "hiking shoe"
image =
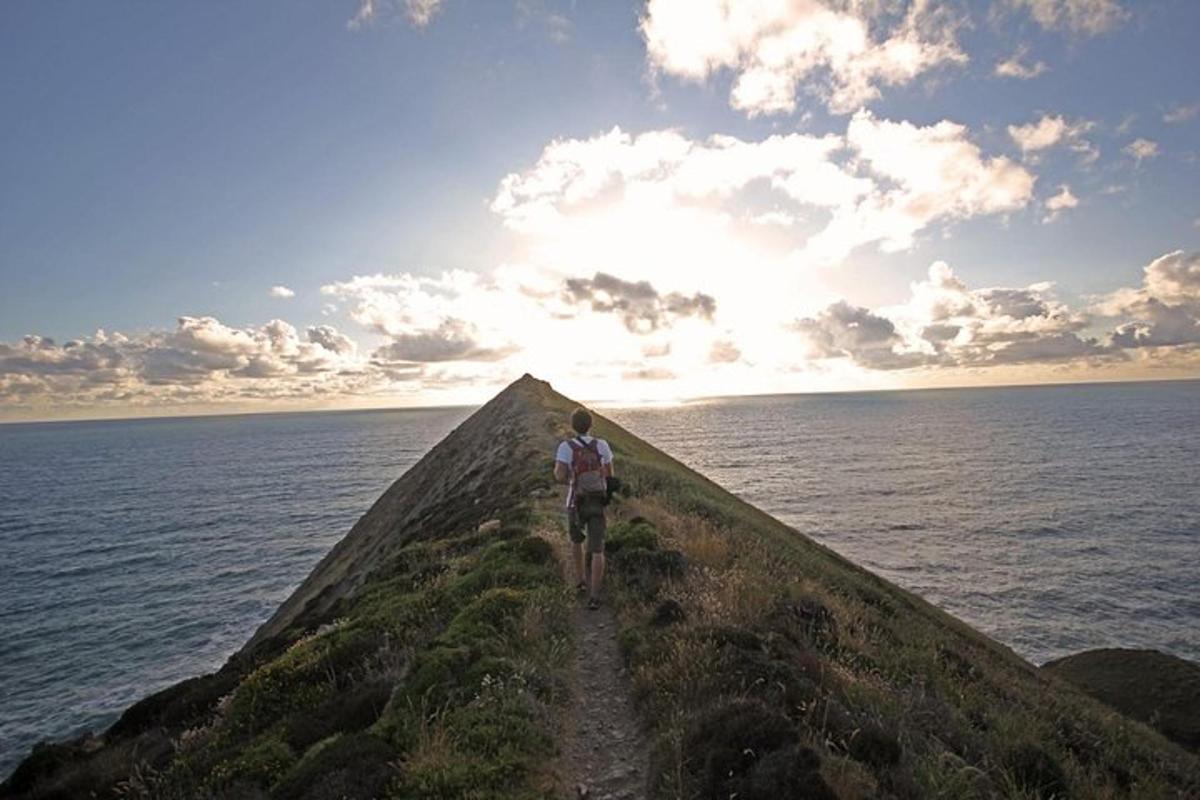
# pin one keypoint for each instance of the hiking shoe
(593, 604)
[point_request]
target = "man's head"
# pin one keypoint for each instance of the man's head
(581, 420)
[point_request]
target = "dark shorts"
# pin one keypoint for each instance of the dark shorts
(588, 516)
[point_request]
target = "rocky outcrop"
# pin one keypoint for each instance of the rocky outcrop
(1159, 689)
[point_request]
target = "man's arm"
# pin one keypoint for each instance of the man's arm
(607, 464)
(561, 473)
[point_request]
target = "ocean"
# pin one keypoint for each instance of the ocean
(134, 554)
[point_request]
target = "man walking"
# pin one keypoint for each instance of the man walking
(585, 463)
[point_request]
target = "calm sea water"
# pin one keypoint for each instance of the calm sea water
(135, 554)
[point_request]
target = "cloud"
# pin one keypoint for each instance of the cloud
(883, 182)
(1085, 17)
(1181, 113)
(1051, 131)
(457, 316)
(1165, 309)
(724, 352)
(452, 340)
(945, 324)
(331, 339)
(923, 175)
(557, 26)
(1060, 202)
(845, 331)
(640, 306)
(201, 360)
(1015, 66)
(649, 374)
(485, 328)
(1142, 149)
(282, 292)
(836, 51)
(419, 13)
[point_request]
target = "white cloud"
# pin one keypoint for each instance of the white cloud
(724, 351)
(925, 175)
(1086, 17)
(1165, 310)
(947, 325)
(883, 182)
(1181, 113)
(1015, 66)
(1142, 149)
(1051, 131)
(1060, 202)
(776, 49)
(282, 292)
(200, 361)
(419, 13)
(364, 16)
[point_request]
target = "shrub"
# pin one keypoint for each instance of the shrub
(636, 533)
(259, 764)
(723, 745)
(872, 745)
(524, 563)
(668, 612)
(352, 710)
(356, 766)
(793, 773)
(1035, 771)
(435, 673)
(494, 615)
(805, 620)
(645, 571)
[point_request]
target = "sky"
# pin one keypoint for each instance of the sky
(212, 207)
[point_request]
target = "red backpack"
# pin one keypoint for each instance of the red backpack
(587, 470)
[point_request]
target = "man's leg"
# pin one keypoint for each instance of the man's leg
(575, 531)
(577, 555)
(597, 574)
(595, 537)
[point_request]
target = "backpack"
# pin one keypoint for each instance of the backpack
(587, 470)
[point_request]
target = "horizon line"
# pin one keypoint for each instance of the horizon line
(599, 403)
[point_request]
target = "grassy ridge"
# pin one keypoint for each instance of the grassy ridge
(439, 679)
(768, 666)
(426, 657)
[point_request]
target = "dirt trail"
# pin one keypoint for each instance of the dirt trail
(604, 753)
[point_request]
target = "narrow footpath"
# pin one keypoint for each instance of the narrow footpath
(604, 753)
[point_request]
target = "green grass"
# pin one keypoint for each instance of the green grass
(429, 660)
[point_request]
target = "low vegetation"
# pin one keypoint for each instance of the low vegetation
(766, 666)
(1159, 689)
(428, 655)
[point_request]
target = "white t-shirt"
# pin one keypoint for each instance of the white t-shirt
(563, 456)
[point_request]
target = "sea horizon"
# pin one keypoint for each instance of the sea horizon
(606, 403)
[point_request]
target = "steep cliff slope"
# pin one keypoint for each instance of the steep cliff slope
(431, 654)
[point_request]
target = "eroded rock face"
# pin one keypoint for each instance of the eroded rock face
(1156, 688)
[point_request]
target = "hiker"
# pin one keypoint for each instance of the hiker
(585, 464)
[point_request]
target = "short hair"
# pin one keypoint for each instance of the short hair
(581, 420)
